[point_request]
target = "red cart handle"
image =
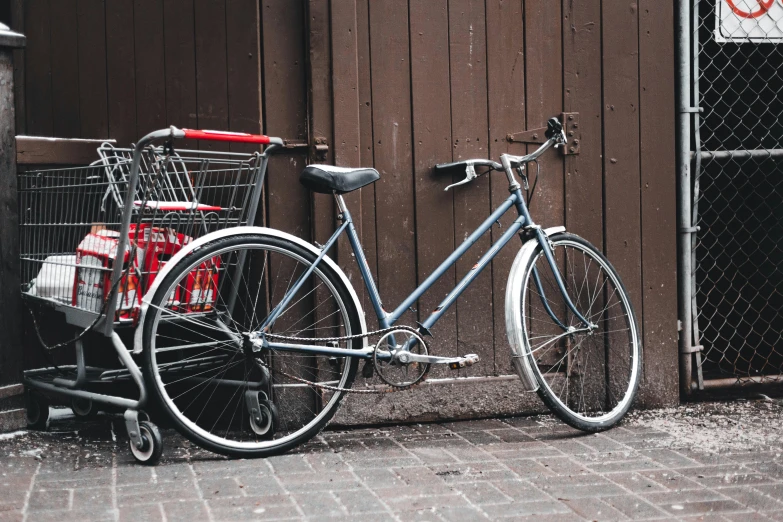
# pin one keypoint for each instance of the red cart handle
(237, 137)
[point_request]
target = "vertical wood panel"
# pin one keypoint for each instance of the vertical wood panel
(93, 101)
(38, 79)
(320, 101)
(65, 69)
(369, 236)
(659, 249)
(243, 69)
(285, 112)
(150, 69)
(211, 88)
(620, 25)
(121, 71)
(346, 137)
(506, 96)
(582, 82)
(18, 25)
(468, 58)
(179, 52)
(432, 145)
(544, 100)
(392, 136)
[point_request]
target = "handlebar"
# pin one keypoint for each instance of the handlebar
(555, 137)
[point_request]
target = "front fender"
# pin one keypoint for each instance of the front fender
(519, 355)
(239, 231)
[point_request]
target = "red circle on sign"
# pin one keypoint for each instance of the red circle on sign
(764, 6)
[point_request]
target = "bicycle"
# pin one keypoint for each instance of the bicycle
(265, 366)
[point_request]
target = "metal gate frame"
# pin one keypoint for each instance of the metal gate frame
(690, 160)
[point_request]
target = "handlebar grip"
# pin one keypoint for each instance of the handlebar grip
(236, 137)
(449, 166)
(553, 128)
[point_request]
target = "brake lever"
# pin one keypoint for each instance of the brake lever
(563, 139)
(470, 175)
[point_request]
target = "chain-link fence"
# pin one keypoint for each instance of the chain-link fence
(737, 159)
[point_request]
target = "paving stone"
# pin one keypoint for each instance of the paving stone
(635, 482)
(634, 507)
(481, 493)
(50, 499)
(318, 504)
(360, 501)
(480, 438)
(595, 509)
(704, 508)
(518, 509)
(148, 512)
(753, 498)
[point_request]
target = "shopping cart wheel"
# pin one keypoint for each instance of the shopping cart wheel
(37, 411)
(152, 444)
(264, 423)
(84, 408)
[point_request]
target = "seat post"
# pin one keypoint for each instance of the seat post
(344, 214)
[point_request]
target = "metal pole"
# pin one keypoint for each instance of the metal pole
(684, 265)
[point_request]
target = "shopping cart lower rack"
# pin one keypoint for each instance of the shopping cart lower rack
(93, 239)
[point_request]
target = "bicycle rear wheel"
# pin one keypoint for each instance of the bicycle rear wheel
(221, 393)
(588, 377)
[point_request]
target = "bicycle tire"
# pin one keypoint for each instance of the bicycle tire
(266, 445)
(602, 389)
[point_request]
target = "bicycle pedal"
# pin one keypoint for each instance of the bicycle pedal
(464, 361)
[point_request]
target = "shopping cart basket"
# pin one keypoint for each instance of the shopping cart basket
(93, 239)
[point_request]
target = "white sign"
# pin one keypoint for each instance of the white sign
(749, 21)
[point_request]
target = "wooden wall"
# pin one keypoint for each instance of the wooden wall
(400, 86)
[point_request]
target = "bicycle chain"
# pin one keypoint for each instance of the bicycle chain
(382, 331)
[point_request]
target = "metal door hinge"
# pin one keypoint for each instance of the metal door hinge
(320, 149)
(570, 122)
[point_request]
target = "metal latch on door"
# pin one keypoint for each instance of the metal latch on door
(570, 126)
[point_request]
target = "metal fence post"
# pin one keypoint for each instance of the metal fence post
(684, 264)
(11, 353)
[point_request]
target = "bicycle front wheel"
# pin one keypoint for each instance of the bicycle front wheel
(220, 391)
(587, 376)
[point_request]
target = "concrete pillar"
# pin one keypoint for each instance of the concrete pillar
(12, 412)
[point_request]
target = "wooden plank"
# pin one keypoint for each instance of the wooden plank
(432, 145)
(285, 110)
(369, 233)
(121, 71)
(319, 64)
(506, 107)
(582, 82)
(544, 93)
(392, 136)
(243, 65)
(93, 98)
(469, 138)
(18, 25)
(65, 70)
(545, 99)
(620, 28)
(38, 73)
(211, 73)
(345, 105)
(32, 150)
(658, 205)
(150, 68)
(179, 50)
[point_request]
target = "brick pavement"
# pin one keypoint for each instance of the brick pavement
(704, 462)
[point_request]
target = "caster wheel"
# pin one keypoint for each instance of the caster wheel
(152, 444)
(84, 408)
(37, 411)
(266, 426)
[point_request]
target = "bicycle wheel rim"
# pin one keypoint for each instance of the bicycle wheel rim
(555, 373)
(278, 382)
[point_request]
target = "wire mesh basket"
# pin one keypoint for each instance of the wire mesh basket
(93, 239)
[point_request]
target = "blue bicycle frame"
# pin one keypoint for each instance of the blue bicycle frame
(523, 222)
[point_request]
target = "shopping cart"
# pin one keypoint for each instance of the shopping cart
(93, 239)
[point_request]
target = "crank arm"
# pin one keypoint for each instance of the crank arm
(453, 362)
